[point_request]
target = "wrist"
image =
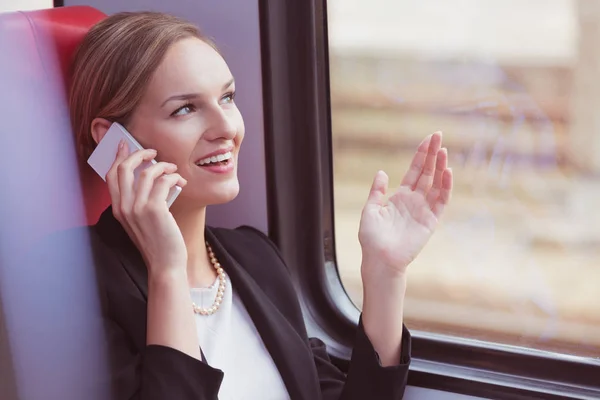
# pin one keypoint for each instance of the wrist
(382, 316)
(376, 275)
(384, 291)
(166, 275)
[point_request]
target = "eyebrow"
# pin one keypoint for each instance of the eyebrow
(190, 96)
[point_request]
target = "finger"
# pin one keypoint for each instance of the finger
(112, 180)
(440, 167)
(125, 174)
(445, 193)
(426, 179)
(148, 176)
(163, 185)
(414, 171)
(378, 189)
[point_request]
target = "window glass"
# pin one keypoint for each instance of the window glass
(25, 5)
(515, 87)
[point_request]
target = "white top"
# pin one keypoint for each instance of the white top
(231, 343)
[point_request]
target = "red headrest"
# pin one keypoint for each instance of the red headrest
(44, 186)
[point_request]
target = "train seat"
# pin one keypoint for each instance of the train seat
(44, 186)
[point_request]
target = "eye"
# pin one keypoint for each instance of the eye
(184, 110)
(228, 98)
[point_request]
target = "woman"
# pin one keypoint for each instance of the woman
(193, 312)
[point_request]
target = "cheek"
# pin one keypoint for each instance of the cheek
(173, 149)
(241, 131)
(173, 140)
(239, 138)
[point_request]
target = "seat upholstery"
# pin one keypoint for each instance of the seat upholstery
(44, 186)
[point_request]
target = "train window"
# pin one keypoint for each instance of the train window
(501, 303)
(514, 90)
(25, 5)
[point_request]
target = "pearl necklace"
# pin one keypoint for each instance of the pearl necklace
(221, 274)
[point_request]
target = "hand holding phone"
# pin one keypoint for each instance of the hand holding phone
(138, 200)
(104, 154)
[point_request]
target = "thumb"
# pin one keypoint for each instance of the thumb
(378, 189)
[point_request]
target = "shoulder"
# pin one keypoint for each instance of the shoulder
(262, 260)
(244, 234)
(248, 245)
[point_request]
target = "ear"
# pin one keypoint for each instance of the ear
(99, 128)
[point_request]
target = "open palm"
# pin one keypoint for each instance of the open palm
(393, 231)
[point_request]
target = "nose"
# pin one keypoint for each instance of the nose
(221, 125)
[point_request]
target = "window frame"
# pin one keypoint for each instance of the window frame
(297, 118)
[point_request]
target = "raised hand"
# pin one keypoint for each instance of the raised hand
(393, 231)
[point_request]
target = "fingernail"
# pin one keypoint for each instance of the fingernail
(121, 143)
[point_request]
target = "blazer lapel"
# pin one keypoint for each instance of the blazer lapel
(290, 352)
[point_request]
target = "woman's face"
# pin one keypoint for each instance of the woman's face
(189, 116)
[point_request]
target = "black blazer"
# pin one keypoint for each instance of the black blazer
(258, 274)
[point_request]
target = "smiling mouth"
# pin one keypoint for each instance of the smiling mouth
(221, 159)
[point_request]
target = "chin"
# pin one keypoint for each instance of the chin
(223, 197)
(216, 194)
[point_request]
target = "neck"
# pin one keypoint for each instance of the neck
(192, 222)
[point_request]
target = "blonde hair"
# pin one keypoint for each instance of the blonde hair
(113, 65)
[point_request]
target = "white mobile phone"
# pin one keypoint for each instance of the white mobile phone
(105, 153)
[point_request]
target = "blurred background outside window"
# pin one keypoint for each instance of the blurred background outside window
(515, 87)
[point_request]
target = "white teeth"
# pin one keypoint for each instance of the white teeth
(214, 159)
